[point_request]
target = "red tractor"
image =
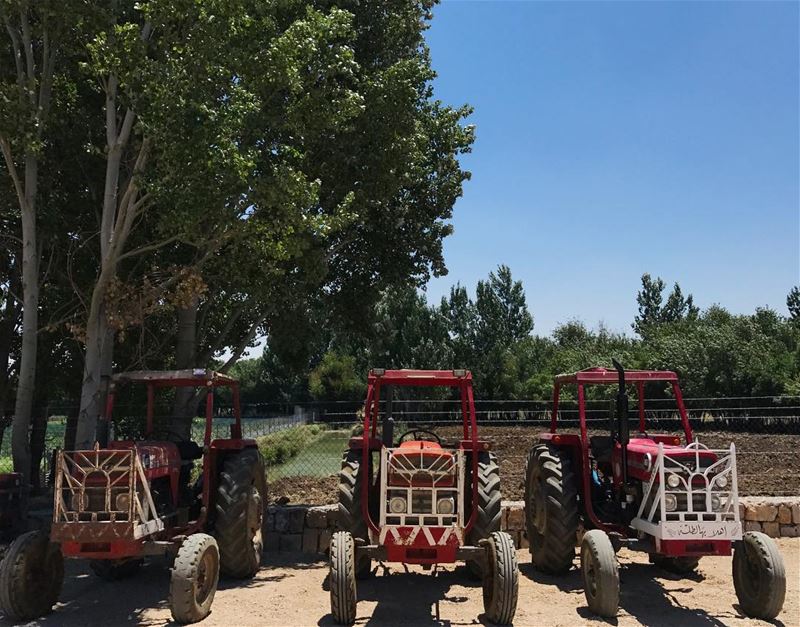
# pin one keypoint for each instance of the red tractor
(677, 501)
(123, 500)
(418, 500)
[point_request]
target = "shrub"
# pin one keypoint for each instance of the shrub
(278, 448)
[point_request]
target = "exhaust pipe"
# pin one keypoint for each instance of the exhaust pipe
(623, 430)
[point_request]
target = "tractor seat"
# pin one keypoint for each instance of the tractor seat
(602, 446)
(189, 450)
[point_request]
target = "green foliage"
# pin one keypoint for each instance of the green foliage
(793, 304)
(716, 353)
(278, 448)
(651, 310)
(336, 379)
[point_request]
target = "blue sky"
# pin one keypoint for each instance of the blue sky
(620, 138)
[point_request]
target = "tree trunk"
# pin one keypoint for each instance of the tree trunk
(20, 446)
(97, 360)
(185, 405)
(38, 436)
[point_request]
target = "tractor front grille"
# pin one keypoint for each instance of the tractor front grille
(421, 502)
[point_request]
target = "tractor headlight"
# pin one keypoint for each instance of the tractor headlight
(670, 502)
(79, 502)
(122, 502)
(397, 505)
(716, 503)
(648, 461)
(722, 481)
(673, 480)
(445, 506)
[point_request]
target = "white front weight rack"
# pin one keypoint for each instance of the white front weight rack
(694, 517)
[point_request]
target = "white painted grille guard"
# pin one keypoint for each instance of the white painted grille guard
(689, 522)
(439, 471)
(124, 465)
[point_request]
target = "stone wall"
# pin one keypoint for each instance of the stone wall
(777, 516)
(308, 529)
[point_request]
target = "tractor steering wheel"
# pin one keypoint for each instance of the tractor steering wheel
(414, 432)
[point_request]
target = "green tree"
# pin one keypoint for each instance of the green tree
(651, 310)
(336, 379)
(793, 304)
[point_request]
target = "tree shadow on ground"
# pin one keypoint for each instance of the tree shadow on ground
(409, 598)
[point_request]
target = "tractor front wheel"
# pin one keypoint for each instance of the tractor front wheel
(342, 577)
(240, 503)
(194, 578)
(31, 576)
(500, 579)
(600, 573)
(551, 508)
(114, 570)
(759, 576)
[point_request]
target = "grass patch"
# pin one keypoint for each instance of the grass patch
(321, 457)
(278, 448)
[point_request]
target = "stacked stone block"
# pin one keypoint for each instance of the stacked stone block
(308, 529)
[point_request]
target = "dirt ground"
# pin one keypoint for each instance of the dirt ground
(289, 593)
(767, 464)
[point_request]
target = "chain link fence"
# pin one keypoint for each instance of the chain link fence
(303, 444)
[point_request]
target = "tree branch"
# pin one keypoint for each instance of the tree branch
(16, 45)
(28, 48)
(148, 248)
(5, 147)
(248, 339)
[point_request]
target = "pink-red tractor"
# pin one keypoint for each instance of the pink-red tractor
(670, 497)
(419, 500)
(123, 500)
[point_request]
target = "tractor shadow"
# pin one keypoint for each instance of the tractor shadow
(412, 597)
(652, 597)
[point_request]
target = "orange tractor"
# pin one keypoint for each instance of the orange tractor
(123, 500)
(419, 500)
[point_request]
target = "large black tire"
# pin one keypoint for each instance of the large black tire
(600, 573)
(31, 576)
(551, 508)
(240, 504)
(342, 578)
(501, 579)
(350, 515)
(194, 578)
(114, 570)
(676, 565)
(489, 514)
(759, 576)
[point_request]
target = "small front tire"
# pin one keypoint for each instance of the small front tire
(500, 579)
(759, 576)
(600, 573)
(31, 576)
(194, 578)
(342, 577)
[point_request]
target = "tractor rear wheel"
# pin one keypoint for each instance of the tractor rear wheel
(600, 573)
(351, 517)
(501, 579)
(759, 576)
(487, 519)
(551, 508)
(342, 578)
(240, 503)
(31, 576)
(676, 565)
(194, 578)
(114, 570)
